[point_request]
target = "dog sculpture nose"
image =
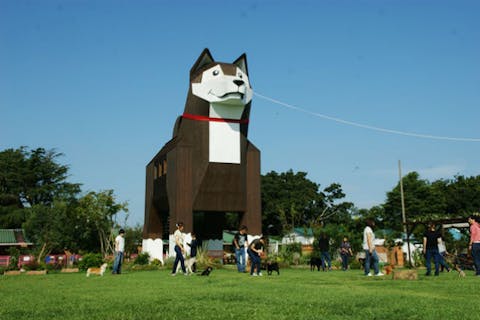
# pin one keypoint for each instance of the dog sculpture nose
(238, 82)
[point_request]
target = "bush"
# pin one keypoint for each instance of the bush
(14, 254)
(34, 265)
(291, 253)
(156, 262)
(354, 264)
(90, 260)
(142, 259)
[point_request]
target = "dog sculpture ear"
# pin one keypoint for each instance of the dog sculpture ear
(241, 62)
(204, 59)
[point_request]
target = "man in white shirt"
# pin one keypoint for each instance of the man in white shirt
(119, 248)
(371, 256)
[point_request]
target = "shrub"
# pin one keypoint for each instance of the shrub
(291, 253)
(142, 259)
(156, 262)
(354, 264)
(54, 266)
(34, 265)
(90, 260)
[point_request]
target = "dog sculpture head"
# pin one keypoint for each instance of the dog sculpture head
(218, 102)
(221, 83)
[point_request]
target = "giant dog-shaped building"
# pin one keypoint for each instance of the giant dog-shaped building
(208, 168)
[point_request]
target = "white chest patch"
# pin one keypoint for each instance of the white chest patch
(224, 137)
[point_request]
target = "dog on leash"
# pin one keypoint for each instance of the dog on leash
(98, 271)
(188, 265)
(207, 271)
(272, 266)
(315, 262)
(389, 269)
(454, 261)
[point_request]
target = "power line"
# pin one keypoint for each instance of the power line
(365, 126)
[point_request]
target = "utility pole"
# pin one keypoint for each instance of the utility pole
(404, 218)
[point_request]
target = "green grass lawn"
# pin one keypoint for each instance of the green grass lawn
(226, 294)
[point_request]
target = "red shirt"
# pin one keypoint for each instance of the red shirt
(475, 232)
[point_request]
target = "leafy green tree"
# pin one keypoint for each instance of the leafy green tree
(291, 200)
(47, 225)
(29, 178)
(331, 209)
(285, 197)
(133, 239)
(99, 212)
(462, 195)
(35, 194)
(422, 202)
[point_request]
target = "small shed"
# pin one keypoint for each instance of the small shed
(299, 235)
(13, 238)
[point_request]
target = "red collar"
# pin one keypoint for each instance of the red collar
(205, 118)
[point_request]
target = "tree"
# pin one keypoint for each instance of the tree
(291, 200)
(29, 178)
(328, 209)
(52, 227)
(133, 239)
(99, 211)
(285, 197)
(462, 195)
(422, 202)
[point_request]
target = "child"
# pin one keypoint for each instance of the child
(193, 251)
(345, 252)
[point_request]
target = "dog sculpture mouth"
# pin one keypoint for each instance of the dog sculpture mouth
(231, 95)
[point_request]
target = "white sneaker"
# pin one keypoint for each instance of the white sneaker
(260, 274)
(254, 275)
(369, 274)
(379, 274)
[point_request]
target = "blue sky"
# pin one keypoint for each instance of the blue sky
(104, 81)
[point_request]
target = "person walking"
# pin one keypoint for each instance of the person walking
(119, 249)
(239, 244)
(254, 250)
(442, 251)
(371, 257)
(431, 239)
(474, 244)
(193, 251)
(179, 249)
(345, 252)
(324, 247)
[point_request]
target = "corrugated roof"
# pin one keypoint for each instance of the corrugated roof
(7, 236)
(12, 236)
(228, 236)
(308, 232)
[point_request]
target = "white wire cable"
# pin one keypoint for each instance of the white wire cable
(356, 124)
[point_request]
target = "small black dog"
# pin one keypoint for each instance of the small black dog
(207, 271)
(362, 263)
(315, 262)
(272, 266)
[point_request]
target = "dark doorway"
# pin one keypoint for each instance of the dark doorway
(211, 224)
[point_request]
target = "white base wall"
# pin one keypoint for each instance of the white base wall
(154, 247)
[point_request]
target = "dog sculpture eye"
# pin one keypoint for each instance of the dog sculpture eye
(240, 75)
(215, 72)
